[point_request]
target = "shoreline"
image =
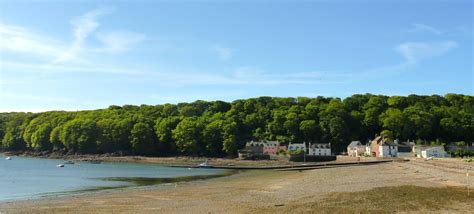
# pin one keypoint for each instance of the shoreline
(271, 191)
(185, 161)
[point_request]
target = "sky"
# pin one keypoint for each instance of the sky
(77, 55)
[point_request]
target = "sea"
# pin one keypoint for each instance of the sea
(30, 178)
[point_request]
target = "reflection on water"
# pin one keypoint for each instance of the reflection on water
(24, 177)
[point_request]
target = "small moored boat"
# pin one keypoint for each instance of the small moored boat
(8, 158)
(69, 162)
(60, 165)
(204, 165)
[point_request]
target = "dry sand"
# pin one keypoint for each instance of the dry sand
(259, 191)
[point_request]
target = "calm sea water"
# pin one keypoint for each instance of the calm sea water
(26, 178)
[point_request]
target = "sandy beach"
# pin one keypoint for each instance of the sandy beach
(267, 191)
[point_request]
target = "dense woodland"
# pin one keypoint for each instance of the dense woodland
(220, 128)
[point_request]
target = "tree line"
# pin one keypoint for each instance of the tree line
(218, 128)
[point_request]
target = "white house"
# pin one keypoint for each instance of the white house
(356, 149)
(368, 149)
(297, 147)
(388, 149)
(320, 149)
(435, 151)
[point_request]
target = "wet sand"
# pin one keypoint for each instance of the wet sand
(260, 191)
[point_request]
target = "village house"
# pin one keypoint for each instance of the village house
(253, 148)
(383, 147)
(271, 147)
(356, 149)
(405, 148)
(293, 147)
(320, 149)
(368, 149)
(434, 151)
(422, 151)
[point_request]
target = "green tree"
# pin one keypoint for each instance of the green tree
(310, 130)
(40, 138)
(79, 135)
(142, 139)
(187, 136)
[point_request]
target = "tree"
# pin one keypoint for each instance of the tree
(79, 135)
(372, 109)
(230, 145)
(310, 130)
(221, 128)
(40, 138)
(142, 139)
(13, 141)
(113, 135)
(163, 130)
(394, 120)
(213, 138)
(187, 136)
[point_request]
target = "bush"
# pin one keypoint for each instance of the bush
(297, 152)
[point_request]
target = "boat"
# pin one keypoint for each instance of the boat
(204, 165)
(60, 165)
(95, 162)
(69, 162)
(8, 158)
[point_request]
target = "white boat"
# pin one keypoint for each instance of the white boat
(8, 158)
(60, 165)
(204, 165)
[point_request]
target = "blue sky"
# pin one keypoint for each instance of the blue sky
(74, 55)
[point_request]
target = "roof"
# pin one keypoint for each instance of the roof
(384, 141)
(354, 144)
(388, 143)
(378, 138)
(406, 143)
(321, 146)
(260, 143)
(296, 144)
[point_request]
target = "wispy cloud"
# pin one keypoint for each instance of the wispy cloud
(23, 41)
(31, 97)
(417, 28)
(223, 53)
(20, 40)
(57, 68)
(413, 52)
(83, 26)
(257, 75)
(119, 42)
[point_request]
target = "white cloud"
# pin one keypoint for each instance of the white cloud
(223, 53)
(31, 97)
(119, 42)
(83, 26)
(56, 68)
(416, 28)
(73, 56)
(20, 40)
(416, 51)
(256, 75)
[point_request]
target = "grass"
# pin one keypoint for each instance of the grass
(395, 199)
